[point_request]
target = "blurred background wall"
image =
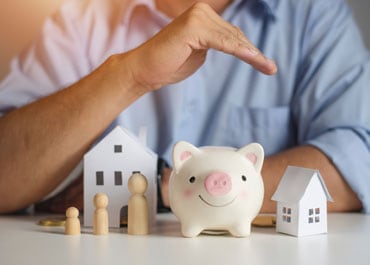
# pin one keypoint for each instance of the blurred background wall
(20, 20)
(361, 10)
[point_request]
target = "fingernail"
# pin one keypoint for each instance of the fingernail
(271, 66)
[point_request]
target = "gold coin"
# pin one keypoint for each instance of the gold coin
(52, 222)
(264, 221)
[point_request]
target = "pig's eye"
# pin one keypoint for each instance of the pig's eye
(244, 178)
(192, 179)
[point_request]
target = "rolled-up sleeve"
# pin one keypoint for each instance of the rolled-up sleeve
(332, 102)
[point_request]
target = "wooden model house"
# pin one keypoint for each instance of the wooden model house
(301, 202)
(107, 168)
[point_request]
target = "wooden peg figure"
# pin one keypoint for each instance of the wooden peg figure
(72, 225)
(138, 216)
(101, 224)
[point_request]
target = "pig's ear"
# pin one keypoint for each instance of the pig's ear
(182, 151)
(254, 153)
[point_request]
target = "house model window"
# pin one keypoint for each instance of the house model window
(99, 178)
(118, 148)
(287, 214)
(118, 178)
(313, 215)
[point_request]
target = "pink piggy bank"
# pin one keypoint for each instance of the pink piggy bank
(216, 188)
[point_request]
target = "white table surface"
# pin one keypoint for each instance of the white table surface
(22, 241)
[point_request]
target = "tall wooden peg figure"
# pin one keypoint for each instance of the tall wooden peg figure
(138, 216)
(101, 224)
(72, 225)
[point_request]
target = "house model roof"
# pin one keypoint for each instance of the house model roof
(122, 133)
(294, 183)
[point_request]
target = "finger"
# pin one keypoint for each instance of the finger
(242, 48)
(62, 202)
(230, 39)
(223, 36)
(74, 189)
(44, 206)
(72, 195)
(165, 180)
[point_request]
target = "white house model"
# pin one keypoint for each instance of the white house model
(107, 168)
(301, 202)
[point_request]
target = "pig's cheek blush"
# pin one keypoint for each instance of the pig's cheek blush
(243, 194)
(188, 193)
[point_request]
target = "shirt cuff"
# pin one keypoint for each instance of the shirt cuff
(349, 152)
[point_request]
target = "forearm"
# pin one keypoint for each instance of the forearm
(310, 157)
(305, 156)
(42, 142)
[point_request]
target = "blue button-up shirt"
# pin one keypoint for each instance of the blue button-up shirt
(320, 96)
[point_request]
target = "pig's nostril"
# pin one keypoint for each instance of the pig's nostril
(218, 183)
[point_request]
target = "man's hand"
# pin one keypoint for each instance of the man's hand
(70, 196)
(28, 160)
(180, 49)
(166, 173)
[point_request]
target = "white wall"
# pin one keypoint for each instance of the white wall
(20, 20)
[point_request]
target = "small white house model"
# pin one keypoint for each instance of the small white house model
(107, 168)
(301, 202)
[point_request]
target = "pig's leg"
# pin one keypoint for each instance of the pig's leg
(242, 229)
(190, 230)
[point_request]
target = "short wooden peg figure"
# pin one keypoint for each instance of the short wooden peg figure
(101, 224)
(72, 225)
(138, 216)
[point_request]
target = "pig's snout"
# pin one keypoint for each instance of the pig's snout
(218, 184)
